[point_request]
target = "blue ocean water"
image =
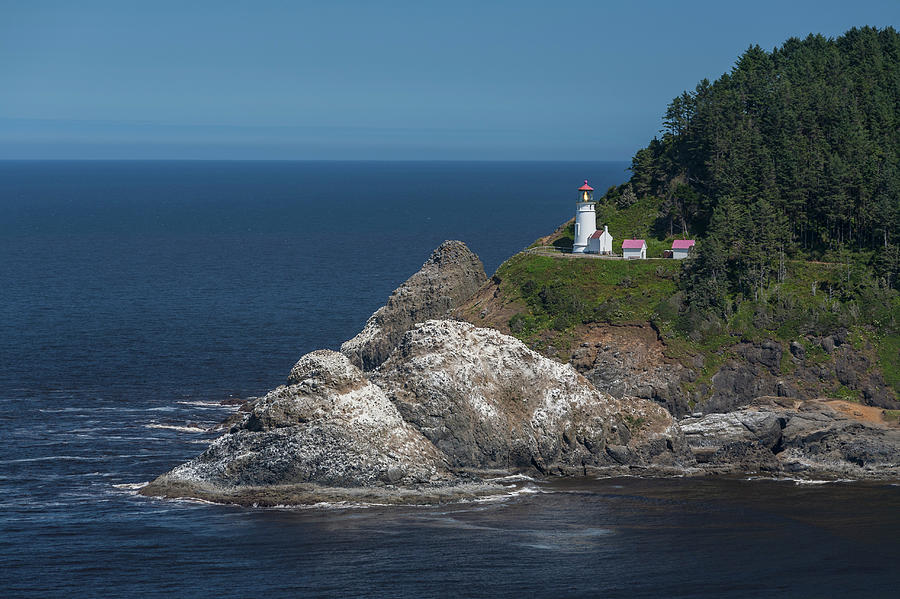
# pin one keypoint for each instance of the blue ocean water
(136, 296)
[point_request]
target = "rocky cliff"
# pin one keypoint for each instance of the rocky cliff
(618, 344)
(447, 279)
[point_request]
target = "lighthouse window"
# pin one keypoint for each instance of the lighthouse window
(577, 230)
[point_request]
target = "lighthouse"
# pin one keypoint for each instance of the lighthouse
(585, 219)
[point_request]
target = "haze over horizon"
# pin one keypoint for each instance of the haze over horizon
(352, 80)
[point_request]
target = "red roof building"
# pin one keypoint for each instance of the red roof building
(634, 249)
(681, 248)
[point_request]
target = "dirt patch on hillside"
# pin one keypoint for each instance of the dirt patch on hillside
(638, 341)
(490, 308)
(868, 414)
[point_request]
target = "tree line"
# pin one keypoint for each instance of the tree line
(793, 154)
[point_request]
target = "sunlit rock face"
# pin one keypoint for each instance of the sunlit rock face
(487, 401)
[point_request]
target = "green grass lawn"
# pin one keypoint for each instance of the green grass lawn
(564, 292)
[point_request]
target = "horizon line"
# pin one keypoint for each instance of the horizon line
(384, 160)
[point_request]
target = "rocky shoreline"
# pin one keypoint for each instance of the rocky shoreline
(421, 408)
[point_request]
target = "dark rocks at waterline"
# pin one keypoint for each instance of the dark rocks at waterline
(793, 436)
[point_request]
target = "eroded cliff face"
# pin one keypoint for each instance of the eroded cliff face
(629, 360)
(770, 368)
(447, 279)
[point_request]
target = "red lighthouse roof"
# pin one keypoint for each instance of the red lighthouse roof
(585, 187)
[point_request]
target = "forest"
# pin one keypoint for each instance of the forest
(794, 155)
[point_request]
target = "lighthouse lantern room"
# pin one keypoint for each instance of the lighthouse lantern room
(585, 219)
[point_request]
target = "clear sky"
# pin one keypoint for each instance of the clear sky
(479, 80)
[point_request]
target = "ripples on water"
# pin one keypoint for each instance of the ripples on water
(124, 323)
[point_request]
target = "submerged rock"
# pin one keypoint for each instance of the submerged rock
(448, 278)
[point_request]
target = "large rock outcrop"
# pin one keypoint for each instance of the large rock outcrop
(451, 402)
(416, 409)
(487, 401)
(448, 278)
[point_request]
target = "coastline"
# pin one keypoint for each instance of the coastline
(429, 413)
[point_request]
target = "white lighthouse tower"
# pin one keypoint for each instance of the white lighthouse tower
(585, 219)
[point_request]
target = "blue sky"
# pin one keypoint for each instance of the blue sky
(484, 80)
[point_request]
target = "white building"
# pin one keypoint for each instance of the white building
(681, 248)
(585, 219)
(634, 249)
(601, 242)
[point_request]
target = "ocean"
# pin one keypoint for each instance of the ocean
(136, 296)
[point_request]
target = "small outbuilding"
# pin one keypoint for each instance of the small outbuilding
(681, 248)
(601, 242)
(634, 249)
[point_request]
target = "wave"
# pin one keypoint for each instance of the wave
(209, 405)
(329, 505)
(512, 494)
(175, 427)
(135, 487)
(802, 481)
(91, 409)
(77, 458)
(197, 500)
(513, 478)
